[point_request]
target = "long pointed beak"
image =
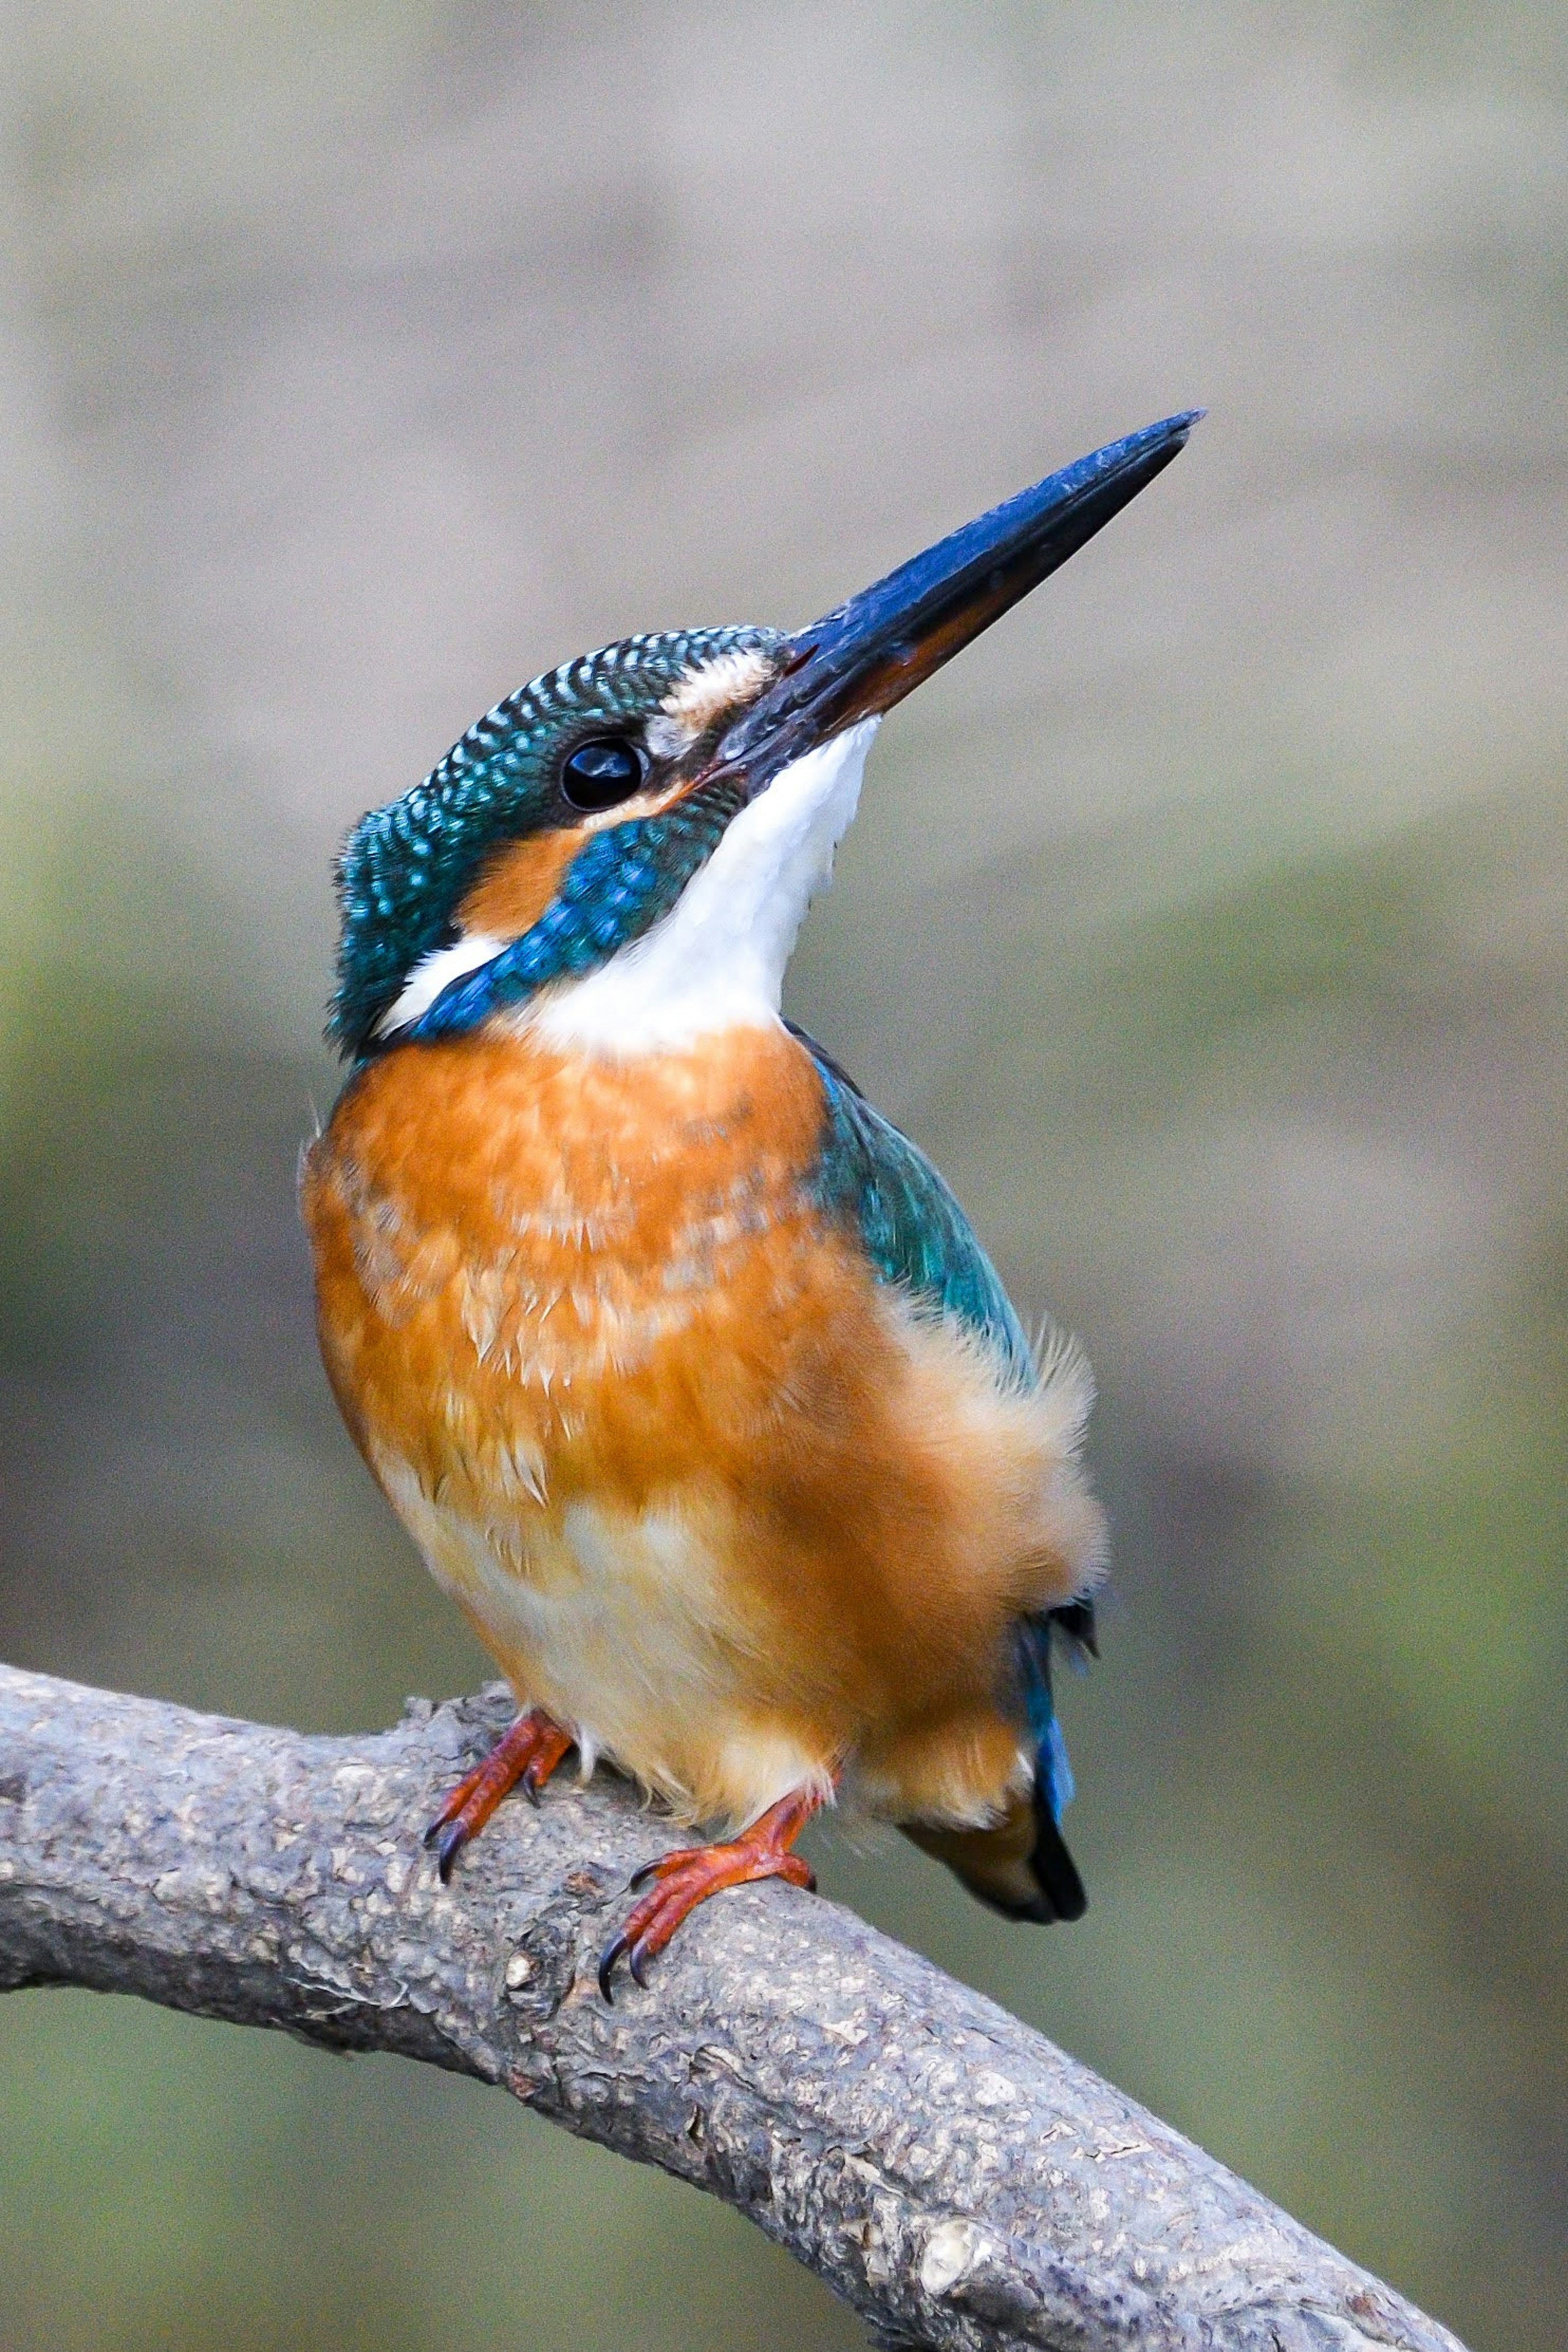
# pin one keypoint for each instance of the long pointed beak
(864, 656)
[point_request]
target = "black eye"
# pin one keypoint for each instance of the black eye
(605, 769)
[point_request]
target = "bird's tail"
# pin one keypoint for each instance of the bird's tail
(1020, 1866)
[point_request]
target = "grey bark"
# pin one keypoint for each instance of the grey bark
(957, 2180)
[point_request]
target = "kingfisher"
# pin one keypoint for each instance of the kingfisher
(681, 1365)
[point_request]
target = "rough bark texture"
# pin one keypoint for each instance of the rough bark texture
(957, 2179)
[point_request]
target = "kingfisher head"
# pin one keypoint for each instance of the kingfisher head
(622, 851)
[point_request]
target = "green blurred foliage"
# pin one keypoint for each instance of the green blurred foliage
(1208, 924)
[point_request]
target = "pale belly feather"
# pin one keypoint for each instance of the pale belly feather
(618, 1623)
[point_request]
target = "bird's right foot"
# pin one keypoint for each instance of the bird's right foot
(682, 1880)
(524, 1756)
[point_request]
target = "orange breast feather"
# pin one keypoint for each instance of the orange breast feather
(708, 1493)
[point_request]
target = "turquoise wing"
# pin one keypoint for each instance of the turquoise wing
(912, 1229)
(916, 1235)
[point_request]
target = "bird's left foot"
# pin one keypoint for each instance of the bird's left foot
(527, 1751)
(691, 1873)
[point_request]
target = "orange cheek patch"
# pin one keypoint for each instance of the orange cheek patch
(519, 884)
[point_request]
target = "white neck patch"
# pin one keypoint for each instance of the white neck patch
(717, 960)
(433, 973)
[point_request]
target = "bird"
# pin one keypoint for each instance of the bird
(681, 1364)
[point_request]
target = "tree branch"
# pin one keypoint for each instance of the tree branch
(957, 2180)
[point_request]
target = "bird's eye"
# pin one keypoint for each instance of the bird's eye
(605, 769)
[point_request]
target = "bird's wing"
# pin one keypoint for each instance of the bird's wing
(912, 1229)
(916, 1235)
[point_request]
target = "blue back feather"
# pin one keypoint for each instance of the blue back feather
(913, 1231)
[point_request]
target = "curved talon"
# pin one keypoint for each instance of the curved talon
(607, 1958)
(645, 1871)
(454, 1838)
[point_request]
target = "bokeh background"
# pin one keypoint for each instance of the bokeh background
(1208, 921)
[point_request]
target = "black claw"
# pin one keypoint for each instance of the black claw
(529, 1788)
(454, 1838)
(432, 1830)
(640, 1877)
(811, 1881)
(607, 1958)
(637, 1960)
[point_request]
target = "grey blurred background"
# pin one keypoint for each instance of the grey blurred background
(1208, 921)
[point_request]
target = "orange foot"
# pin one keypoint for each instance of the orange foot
(690, 1875)
(527, 1751)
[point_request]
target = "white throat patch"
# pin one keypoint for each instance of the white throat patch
(717, 960)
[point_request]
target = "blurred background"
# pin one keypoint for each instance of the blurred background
(1208, 921)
